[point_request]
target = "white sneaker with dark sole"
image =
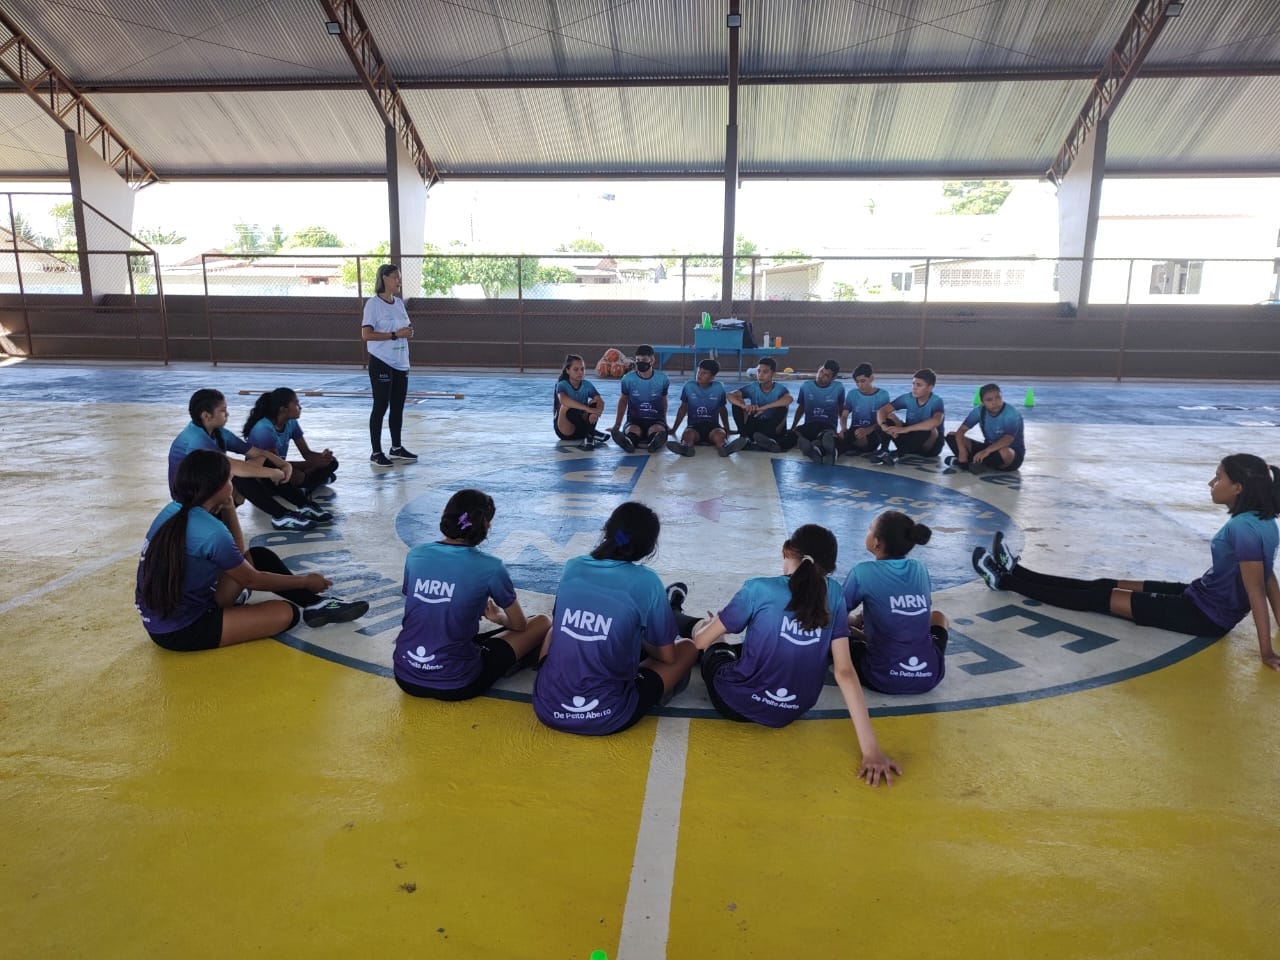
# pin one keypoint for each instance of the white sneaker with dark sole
(293, 521)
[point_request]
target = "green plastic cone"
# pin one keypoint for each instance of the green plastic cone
(977, 396)
(1030, 400)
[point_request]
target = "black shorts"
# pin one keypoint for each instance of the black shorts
(644, 426)
(714, 659)
(204, 634)
(703, 430)
(496, 658)
(650, 689)
(1167, 607)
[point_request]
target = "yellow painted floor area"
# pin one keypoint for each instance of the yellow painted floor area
(261, 801)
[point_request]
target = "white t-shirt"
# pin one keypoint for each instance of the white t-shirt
(386, 318)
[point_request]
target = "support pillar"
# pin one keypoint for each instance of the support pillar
(730, 166)
(1079, 197)
(407, 207)
(105, 227)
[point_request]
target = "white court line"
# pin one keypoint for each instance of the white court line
(646, 922)
(62, 581)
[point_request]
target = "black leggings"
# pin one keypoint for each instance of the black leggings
(921, 442)
(390, 387)
(1159, 604)
(262, 493)
(582, 427)
(265, 560)
(770, 423)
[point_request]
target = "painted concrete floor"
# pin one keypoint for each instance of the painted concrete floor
(1076, 787)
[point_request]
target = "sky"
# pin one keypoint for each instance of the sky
(637, 217)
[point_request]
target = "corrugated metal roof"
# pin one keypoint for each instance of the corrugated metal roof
(788, 127)
(146, 41)
(252, 133)
(31, 145)
(1216, 124)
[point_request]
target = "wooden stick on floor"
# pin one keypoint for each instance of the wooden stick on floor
(429, 394)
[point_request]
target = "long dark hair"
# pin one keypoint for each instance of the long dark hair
(568, 360)
(630, 533)
(201, 474)
(1259, 485)
(899, 533)
(816, 548)
(380, 281)
(268, 405)
(467, 516)
(205, 400)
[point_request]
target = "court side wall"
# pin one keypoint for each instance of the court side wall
(1189, 341)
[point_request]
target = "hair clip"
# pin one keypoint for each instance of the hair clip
(620, 538)
(464, 523)
(806, 557)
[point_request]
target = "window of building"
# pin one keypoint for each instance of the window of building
(1176, 277)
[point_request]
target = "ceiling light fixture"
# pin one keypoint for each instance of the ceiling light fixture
(1174, 9)
(334, 27)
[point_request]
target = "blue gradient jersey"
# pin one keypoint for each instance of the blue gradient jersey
(783, 666)
(703, 404)
(211, 550)
(585, 393)
(822, 404)
(862, 407)
(913, 412)
(994, 426)
(445, 590)
(1220, 592)
(603, 610)
(195, 437)
(646, 399)
(896, 598)
(265, 436)
(754, 393)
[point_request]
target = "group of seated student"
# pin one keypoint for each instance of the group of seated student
(195, 573)
(619, 644)
(828, 422)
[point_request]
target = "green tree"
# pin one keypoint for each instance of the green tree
(313, 237)
(23, 230)
(581, 245)
(154, 235)
(368, 268)
(249, 238)
(796, 254)
(976, 196)
(64, 217)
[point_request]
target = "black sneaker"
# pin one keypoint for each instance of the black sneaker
(766, 443)
(599, 438)
(676, 594)
(333, 610)
(1000, 552)
(809, 448)
(682, 449)
(588, 444)
(313, 511)
(622, 440)
(885, 458)
(985, 564)
(733, 446)
(379, 459)
(656, 441)
(400, 453)
(293, 521)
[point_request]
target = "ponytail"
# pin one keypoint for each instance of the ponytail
(201, 474)
(816, 549)
(269, 406)
(630, 533)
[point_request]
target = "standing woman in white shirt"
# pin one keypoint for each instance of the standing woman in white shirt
(387, 330)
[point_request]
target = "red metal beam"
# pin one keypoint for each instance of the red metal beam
(1122, 65)
(377, 80)
(32, 71)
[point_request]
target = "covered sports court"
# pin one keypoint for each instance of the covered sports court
(1076, 786)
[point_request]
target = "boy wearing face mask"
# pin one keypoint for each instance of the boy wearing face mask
(644, 401)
